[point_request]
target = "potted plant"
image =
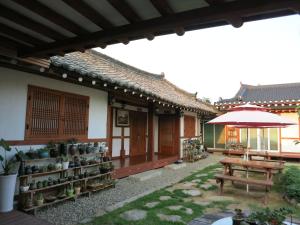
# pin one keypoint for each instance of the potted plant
(39, 199)
(77, 189)
(70, 190)
(81, 148)
(7, 179)
(63, 149)
(43, 153)
(65, 162)
(88, 149)
(238, 217)
(51, 146)
(72, 147)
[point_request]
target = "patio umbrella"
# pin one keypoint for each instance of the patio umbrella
(251, 116)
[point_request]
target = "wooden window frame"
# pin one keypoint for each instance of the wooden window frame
(60, 136)
(187, 124)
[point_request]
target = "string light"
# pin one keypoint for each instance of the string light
(80, 79)
(42, 69)
(64, 75)
(125, 90)
(105, 84)
(116, 87)
(141, 95)
(133, 93)
(93, 82)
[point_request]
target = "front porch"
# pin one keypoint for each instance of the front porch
(138, 164)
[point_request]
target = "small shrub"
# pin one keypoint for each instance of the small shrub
(289, 183)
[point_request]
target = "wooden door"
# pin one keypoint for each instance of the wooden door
(168, 135)
(138, 127)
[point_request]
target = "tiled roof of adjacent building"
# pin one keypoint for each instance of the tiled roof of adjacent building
(273, 92)
(97, 65)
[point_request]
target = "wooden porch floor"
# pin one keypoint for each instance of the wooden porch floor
(19, 218)
(137, 164)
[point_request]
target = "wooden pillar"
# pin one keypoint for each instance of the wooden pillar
(122, 150)
(177, 128)
(109, 128)
(151, 131)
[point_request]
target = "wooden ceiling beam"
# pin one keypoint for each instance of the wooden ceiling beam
(215, 2)
(24, 21)
(162, 7)
(190, 20)
(10, 43)
(125, 10)
(19, 35)
(90, 13)
(52, 16)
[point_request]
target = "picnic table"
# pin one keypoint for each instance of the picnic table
(266, 167)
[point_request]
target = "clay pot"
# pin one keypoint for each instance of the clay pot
(77, 190)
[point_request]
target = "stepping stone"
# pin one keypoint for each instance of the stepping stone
(202, 203)
(206, 186)
(175, 207)
(134, 215)
(196, 181)
(145, 175)
(192, 192)
(189, 211)
(151, 204)
(170, 218)
(175, 166)
(218, 198)
(164, 198)
(188, 184)
(202, 175)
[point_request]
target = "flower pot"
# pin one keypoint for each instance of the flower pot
(7, 190)
(72, 149)
(65, 165)
(39, 202)
(77, 190)
(237, 221)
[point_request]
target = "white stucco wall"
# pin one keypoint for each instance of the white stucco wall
(13, 101)
(290, 134)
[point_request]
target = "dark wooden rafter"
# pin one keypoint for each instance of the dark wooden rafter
(24, 21)
(125, 10)
(52, 16)
(90, 13)
(190, 20)
(10, 43)
(215, 2)
(19, 35)
(162, 7)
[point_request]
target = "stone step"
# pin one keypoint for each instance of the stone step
(145, 175)
(175, 166)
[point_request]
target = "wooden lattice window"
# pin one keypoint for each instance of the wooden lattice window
(55, 115)
(189, 126)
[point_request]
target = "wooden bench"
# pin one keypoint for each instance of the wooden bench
(254, 170)
(220, 178)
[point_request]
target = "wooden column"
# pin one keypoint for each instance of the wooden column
(177, 136)
(122, 150)
(151, 131)
(109, 127)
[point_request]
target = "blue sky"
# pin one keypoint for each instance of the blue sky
(214, 61)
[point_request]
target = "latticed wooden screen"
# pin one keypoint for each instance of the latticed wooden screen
(54, 114)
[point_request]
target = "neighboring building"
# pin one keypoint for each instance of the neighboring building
(80, 96)
(283, 99)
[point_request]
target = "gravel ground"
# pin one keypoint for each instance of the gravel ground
(84, 208)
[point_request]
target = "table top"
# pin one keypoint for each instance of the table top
(228, 221)
(252, 164)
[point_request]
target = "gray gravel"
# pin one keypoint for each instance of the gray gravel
(126, 190)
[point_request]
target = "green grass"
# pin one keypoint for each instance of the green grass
(178, 197)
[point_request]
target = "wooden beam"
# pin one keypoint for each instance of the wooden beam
(24, 21)
(162, 7)
(190, 20)
(52, 16)
(10, 43)
(125, 10)
(90, 13)
(20, 35)
(215, 2)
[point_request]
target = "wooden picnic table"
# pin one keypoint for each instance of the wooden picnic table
(266, 166)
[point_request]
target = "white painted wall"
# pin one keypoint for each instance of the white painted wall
(290, 133)
(13, 101)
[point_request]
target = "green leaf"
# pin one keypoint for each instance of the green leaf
(5, 145)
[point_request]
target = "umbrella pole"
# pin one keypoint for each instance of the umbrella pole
(247, 156)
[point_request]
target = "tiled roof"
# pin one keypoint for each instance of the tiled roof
(273, 92)
(97, 65)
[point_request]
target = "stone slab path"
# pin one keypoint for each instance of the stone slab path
(208, 219)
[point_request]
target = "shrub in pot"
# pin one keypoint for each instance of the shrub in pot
(238, 217)
(63, 149)
(72, 147)
(54, 152)
(7, 179)
(65, 162)
(39, 201)
(70, 191)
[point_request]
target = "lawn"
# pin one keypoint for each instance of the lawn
(179, 207)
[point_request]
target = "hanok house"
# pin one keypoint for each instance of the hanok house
(283, 99)
(92, 97)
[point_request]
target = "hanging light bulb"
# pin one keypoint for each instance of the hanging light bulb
(105, 84)
(64, 75)
(80, 79)
(93, 82)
